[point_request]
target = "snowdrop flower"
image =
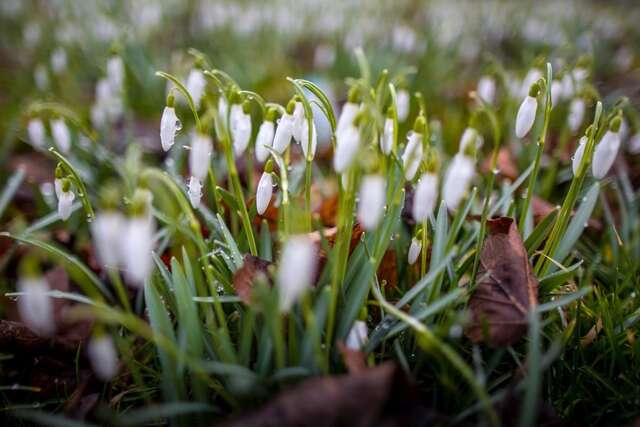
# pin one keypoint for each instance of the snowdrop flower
(414, 250)
(222, 109)
(65, 199)
(556, 92)
(195, 192)
(606, 150)
(57, 182)
(634, 144)
(241, 132)
(402, 100)
(304, 139)
(107, 230)
(425, 197)
(457, 180)
(284, 131)
(576, 114)
(59, 60)
(413, 153)
(347, 145)
(41, 77)
(372, 198)
(386, 142)
(37, 133)
(296, 271)
(527, 113)
(349, 112)
(357, 337)
(35, 307)
(486, 89)
(235, 113)
(195, 85)
(201, 147)
(298, 121)
(169, 125)
(265, 136)
(568, 87)
(137, 242)
(470, 139)
(532, 77)
(61, 135)
(577, 157)
(115, 72)
(103, 357)
(264, 191)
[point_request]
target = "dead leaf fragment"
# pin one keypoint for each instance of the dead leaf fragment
(506, 287)
(253, 269)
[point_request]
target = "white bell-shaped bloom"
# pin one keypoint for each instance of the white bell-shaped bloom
(568, 87)
(605, 154)
(195, 85)
(532, 76)
(576, 114)
(556, 92)
(103, 357)
(457, 180)
(115, 72)
(412, 155)
(296, 270)
(59, 60)
(304, 139)
(61, 135)
(65, 200)
(264, 192)
(634, 144)
(470, 136)
(298, 122)
(414, 251)
(372, 198)
(235, 113)
(402, 106)
(347, 145)
(284, 132)
(169, 125)
(347, 116)
(264, 139)
(624, 130)
(241, 133)
(37, 133)
(201, 147)
(57, 186)
(425, 197)
(107, 230)
(358, 335)
(486, 89)
(194, 192)
(386, 142)
(35, 306)
(137, 244)
(222, 110)
(41, 76)
(577, 157)
(526, 116)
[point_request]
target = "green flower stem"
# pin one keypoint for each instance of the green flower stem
(185, 93)
(120, 289)
(55, 108)
(423, 251)
(307, 192)
(540, 150)
(84, 196)
(559, 228)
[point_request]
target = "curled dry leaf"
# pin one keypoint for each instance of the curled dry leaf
(380, 396)
(505, 165)
(253, 269)
(506, 287)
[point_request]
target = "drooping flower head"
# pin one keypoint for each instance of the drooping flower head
(103, 356)
(458, 177)
(194, 192)
(349, 111)
(240, 127)
(296, 270)
(284, 131)
(486, 89)
(201, 148)
(196, 84)
(576, 114)
(388, 134)
(265, 189)
(577, 157)
(358, 335)
(35, 306)
(137, 242)
(403, 103)
(412, 156)
(169, 124)
(527, 112)
(107, 229)
(36, 132)
(61, 134)
(65, 199)
(372, 198)
(414, 250)
(607, 149)
(265, 136)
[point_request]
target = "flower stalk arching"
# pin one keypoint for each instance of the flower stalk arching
(539, 149)
(75, 177)
(183, 90)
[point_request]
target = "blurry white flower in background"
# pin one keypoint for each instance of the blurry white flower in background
(357, 337)
(296, 270)
(371, 203)
(35, 306)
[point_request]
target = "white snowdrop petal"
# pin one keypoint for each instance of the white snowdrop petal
(264, 192)
(241, 134)
(412, 155)
(347, 116)
(634, 144)
(266, 132)
(372, 198)
(115, 72)
(576, 114)
(469, 136)
(487, 89)
(35, 306)
(36, 132)
(169, 125)
(425, 197)
(402, 106)
(296, 270)
(201, 148)
(136, 250)
(103, 357)
(283, 134)
(195, 192)
(61, 135)
(577, 157)
(605, 154)
(347, 145)
(457, 180)
(414, 251)
(526, 116)
(298, 122)
(358, 335)
(386, 142)
(107, 230)
(304, 139)
(65, 200)
(195, 85)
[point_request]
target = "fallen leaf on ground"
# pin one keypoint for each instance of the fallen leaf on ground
(253, 269)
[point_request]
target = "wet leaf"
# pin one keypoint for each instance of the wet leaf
(380, 396)
(506, 287)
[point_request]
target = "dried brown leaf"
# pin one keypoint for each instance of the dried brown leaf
(506, 287)
(245, 278)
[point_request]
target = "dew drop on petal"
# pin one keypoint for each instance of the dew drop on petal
(178, 125)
